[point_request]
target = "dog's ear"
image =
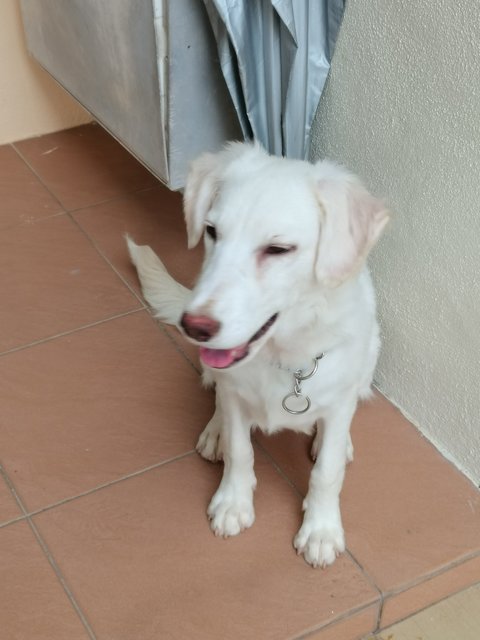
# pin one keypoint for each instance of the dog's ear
(352, 221)
(200, 191)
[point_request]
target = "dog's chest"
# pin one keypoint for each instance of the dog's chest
(266, 392)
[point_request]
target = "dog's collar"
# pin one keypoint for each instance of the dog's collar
(299, 376)
(276, 364)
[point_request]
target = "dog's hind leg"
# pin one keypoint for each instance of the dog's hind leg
(365, 387)
(209, 444)
(317, 441)
(349, 449)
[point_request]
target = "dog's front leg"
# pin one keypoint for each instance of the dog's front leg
(231, 508)
(321, 536)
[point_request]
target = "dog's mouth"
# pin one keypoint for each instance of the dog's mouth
(223, 358)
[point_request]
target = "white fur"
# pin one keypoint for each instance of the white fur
(325, 302)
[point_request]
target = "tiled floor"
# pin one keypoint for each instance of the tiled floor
(103, 531)
(455, 618)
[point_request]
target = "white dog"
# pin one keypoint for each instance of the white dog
(284, 314)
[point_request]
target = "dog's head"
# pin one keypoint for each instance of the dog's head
(274, 230)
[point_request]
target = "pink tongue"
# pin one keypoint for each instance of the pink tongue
(221, 358)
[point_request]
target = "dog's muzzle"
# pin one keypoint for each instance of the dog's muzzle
(223, 358)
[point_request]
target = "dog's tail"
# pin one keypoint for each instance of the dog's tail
(165, 295)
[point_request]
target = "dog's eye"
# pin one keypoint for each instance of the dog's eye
(276, 250)
(211, 231)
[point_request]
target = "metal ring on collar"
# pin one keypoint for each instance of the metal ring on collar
(296, 412)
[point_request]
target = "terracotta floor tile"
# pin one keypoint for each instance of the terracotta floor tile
(189, 350)
(407, 511)
(23, 198)
(84, 165)
(143, 562)
(401, 605)
(350, 627)
(454, 618)
(52, 280)
(152, 217)
(33, 603)
(8, 506)
(90, 407)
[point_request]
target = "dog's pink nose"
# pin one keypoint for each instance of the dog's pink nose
(200, 328)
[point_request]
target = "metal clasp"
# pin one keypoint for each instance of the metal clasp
(299, 376)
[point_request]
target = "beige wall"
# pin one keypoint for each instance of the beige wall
(402, 109)
(31, 103)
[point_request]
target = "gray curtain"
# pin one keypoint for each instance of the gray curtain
(275, 56)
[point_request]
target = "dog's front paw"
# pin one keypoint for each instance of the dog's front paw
(320, 544)
(230, 513)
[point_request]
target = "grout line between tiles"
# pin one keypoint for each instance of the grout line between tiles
(70, 331)
(15, 496)
(133, 291)
(51, 560)
(13, 491)
(106, 485)
(57, 199)
(178, 347)
(379, 615)
(30, 223)
(343, 616)
(371, 581)
(430, 576)
(278, 468)
(164, 329)
(113, 198)
(7, 523)
(104, 257)
(425, 608)
(37, 175)
(422, 580)
(61, 579)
